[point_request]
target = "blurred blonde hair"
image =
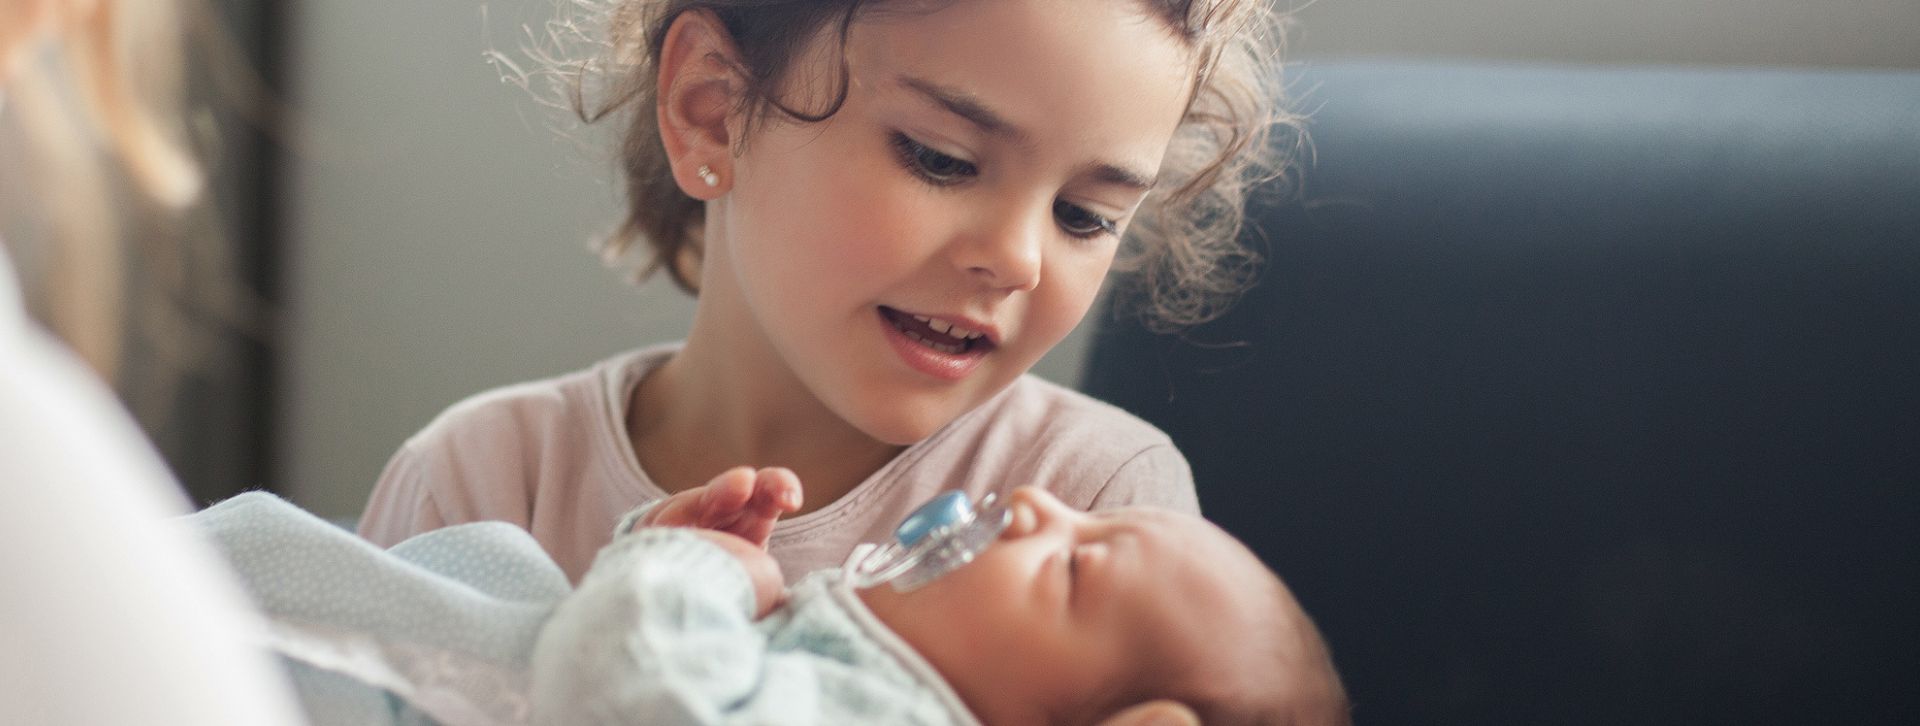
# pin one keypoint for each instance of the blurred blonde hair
(106, 85)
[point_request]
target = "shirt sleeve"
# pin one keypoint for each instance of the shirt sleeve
(1158, 476)
(660, 631)
(402, 504)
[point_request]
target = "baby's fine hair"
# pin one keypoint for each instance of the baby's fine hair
(1276, 669)
(1183, 248)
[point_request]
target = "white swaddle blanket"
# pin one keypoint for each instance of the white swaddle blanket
(444, 628)
(445, 621)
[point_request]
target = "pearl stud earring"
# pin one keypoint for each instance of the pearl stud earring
(707, 175)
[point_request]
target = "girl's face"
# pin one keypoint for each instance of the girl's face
(912, 255)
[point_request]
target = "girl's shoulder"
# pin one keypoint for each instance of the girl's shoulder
(583, 400)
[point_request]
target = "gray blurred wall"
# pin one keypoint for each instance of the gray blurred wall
(1734, 32)
(437, 226)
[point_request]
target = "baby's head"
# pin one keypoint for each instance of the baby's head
(1071, 617)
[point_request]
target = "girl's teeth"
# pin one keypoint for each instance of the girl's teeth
(942, 347)
(945, 328)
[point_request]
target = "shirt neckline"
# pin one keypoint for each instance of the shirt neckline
(620, 376)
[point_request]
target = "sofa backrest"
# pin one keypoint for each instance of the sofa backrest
(1579, 395)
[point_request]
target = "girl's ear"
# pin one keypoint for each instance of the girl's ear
(699, 87)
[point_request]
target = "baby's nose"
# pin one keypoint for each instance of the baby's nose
(1031, 495)
(1030, 508)
(1023, 520)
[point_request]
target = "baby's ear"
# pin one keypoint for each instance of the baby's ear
(1155, 713)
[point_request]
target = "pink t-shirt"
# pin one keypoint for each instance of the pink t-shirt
(553, 456)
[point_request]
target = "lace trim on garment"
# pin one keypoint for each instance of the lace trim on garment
(453, 688)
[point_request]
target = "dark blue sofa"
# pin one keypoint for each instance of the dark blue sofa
(1579, 395)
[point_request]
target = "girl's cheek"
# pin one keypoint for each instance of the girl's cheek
(889, 220)
(1076, 277)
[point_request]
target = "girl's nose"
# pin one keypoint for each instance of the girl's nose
(1007, 257)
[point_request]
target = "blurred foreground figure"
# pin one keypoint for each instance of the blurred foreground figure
(113, 612)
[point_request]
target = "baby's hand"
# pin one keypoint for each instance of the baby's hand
(741, 501)
(769, 584)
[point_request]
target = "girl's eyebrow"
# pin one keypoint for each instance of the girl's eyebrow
(1114, 175)
(967, 106)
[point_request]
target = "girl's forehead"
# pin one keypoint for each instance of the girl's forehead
(1077, 33)
(1033, 61)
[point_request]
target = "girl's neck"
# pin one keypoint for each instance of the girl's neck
(726, 400)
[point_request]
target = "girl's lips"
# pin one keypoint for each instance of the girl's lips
(918, 356)
(953, 326)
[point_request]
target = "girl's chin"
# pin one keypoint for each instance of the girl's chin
(904, 420)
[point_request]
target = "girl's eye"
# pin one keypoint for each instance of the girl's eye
(1079, 222)
(944, 170)
(932, 166)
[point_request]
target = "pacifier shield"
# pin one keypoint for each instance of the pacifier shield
(945, 510)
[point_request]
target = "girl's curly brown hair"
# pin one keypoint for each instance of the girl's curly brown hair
(1183, 246)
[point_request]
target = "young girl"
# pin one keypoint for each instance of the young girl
(889, 210)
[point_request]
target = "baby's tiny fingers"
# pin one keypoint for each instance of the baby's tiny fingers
(679, 510)
(729, 491)
(778, 490)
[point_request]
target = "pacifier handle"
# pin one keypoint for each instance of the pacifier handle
(941, 535)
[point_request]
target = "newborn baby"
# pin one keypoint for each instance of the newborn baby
(1128, 616)
(1067, 617)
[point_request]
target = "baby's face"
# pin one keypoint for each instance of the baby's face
(1069, 609)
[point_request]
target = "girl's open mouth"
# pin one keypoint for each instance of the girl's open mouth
(936, 334)
(934, 347)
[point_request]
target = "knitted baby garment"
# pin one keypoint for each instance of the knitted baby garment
(474, 624)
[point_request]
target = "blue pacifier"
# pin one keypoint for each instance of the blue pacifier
(939, 537)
